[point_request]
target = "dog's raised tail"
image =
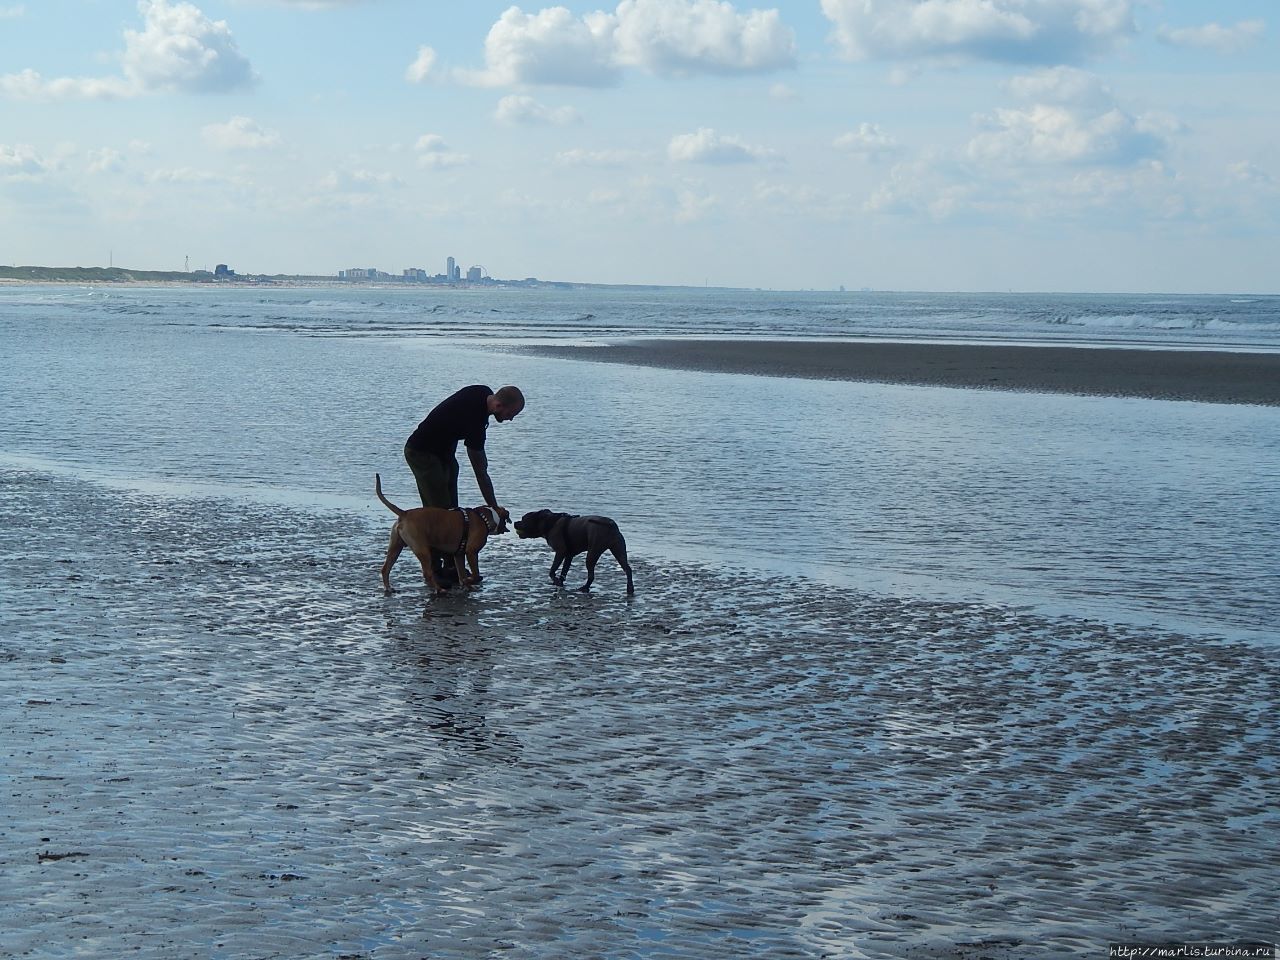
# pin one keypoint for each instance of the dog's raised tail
(377, 488)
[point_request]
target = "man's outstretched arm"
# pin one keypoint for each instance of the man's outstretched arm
(480, 464)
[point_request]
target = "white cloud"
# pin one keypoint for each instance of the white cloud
(868, 141)
(105, 160)
(21, 162)
(421, 68)
(1248, 173)
(700, 36)
(796, 197)
(707, 146)
(1011, 31)
(666, 37)
(12, 12)
(693, 203)
(595, 158)
(925, 186)
(524, 109)
(1214, 36)
(434, 152)
(550, 47)
(358, 181)
(782, 93)
(239, 133)
(1073, 121)
(1061, 85)
(30, 85)
(189, 175)
(179, 50)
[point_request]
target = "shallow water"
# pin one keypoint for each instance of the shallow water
(1138, 510)
(909, 672)
(221, 740)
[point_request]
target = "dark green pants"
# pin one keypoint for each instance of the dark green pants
(438, 487)
(437, 477)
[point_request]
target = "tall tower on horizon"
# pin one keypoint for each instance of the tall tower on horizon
(449, 269)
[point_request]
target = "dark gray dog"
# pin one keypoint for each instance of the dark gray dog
(569, 536)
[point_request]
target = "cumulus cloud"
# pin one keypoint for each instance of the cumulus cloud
(420, 70)
(1061, 85)
(178, 50)
(703, 36)
(549, 47)
(1009, 31)
(105, 160)
(665, 37)
(21, 162)
(434, 152)
(1214, 36)
(707, 146)
(30, 85)
(868, 141)
(239, 133)
(1074, 120)
(524, 109)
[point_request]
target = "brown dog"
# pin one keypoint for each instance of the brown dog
(457, 532)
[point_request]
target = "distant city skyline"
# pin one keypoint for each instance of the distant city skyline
(1072, 145)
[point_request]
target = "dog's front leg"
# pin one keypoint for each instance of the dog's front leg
(561, 558)
(473, 561)
(458, 565)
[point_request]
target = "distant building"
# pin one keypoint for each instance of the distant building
(449, 268)
(415, 273)
(474, 274)
(221, 271)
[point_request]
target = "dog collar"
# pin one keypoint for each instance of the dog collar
(491, 519)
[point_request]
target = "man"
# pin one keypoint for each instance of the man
(431, 450)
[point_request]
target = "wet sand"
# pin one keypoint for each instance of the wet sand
(1215, 377)
(222, 740)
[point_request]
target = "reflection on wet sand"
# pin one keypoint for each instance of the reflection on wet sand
(221, 739)
(445, 666)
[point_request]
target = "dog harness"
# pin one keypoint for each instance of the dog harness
(488, 514)
(466, 525)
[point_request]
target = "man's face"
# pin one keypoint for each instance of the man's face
(502, 412)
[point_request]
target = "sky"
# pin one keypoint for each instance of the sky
(1037, 145)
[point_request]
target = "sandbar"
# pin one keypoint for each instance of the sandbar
(1170, 374)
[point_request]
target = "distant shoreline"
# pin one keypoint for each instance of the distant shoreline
(120, 276)
(1198, 375)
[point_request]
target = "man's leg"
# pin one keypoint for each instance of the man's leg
(437, 481)
(432, 476)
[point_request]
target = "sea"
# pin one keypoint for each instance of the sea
(1135, 511)
(910, 671)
